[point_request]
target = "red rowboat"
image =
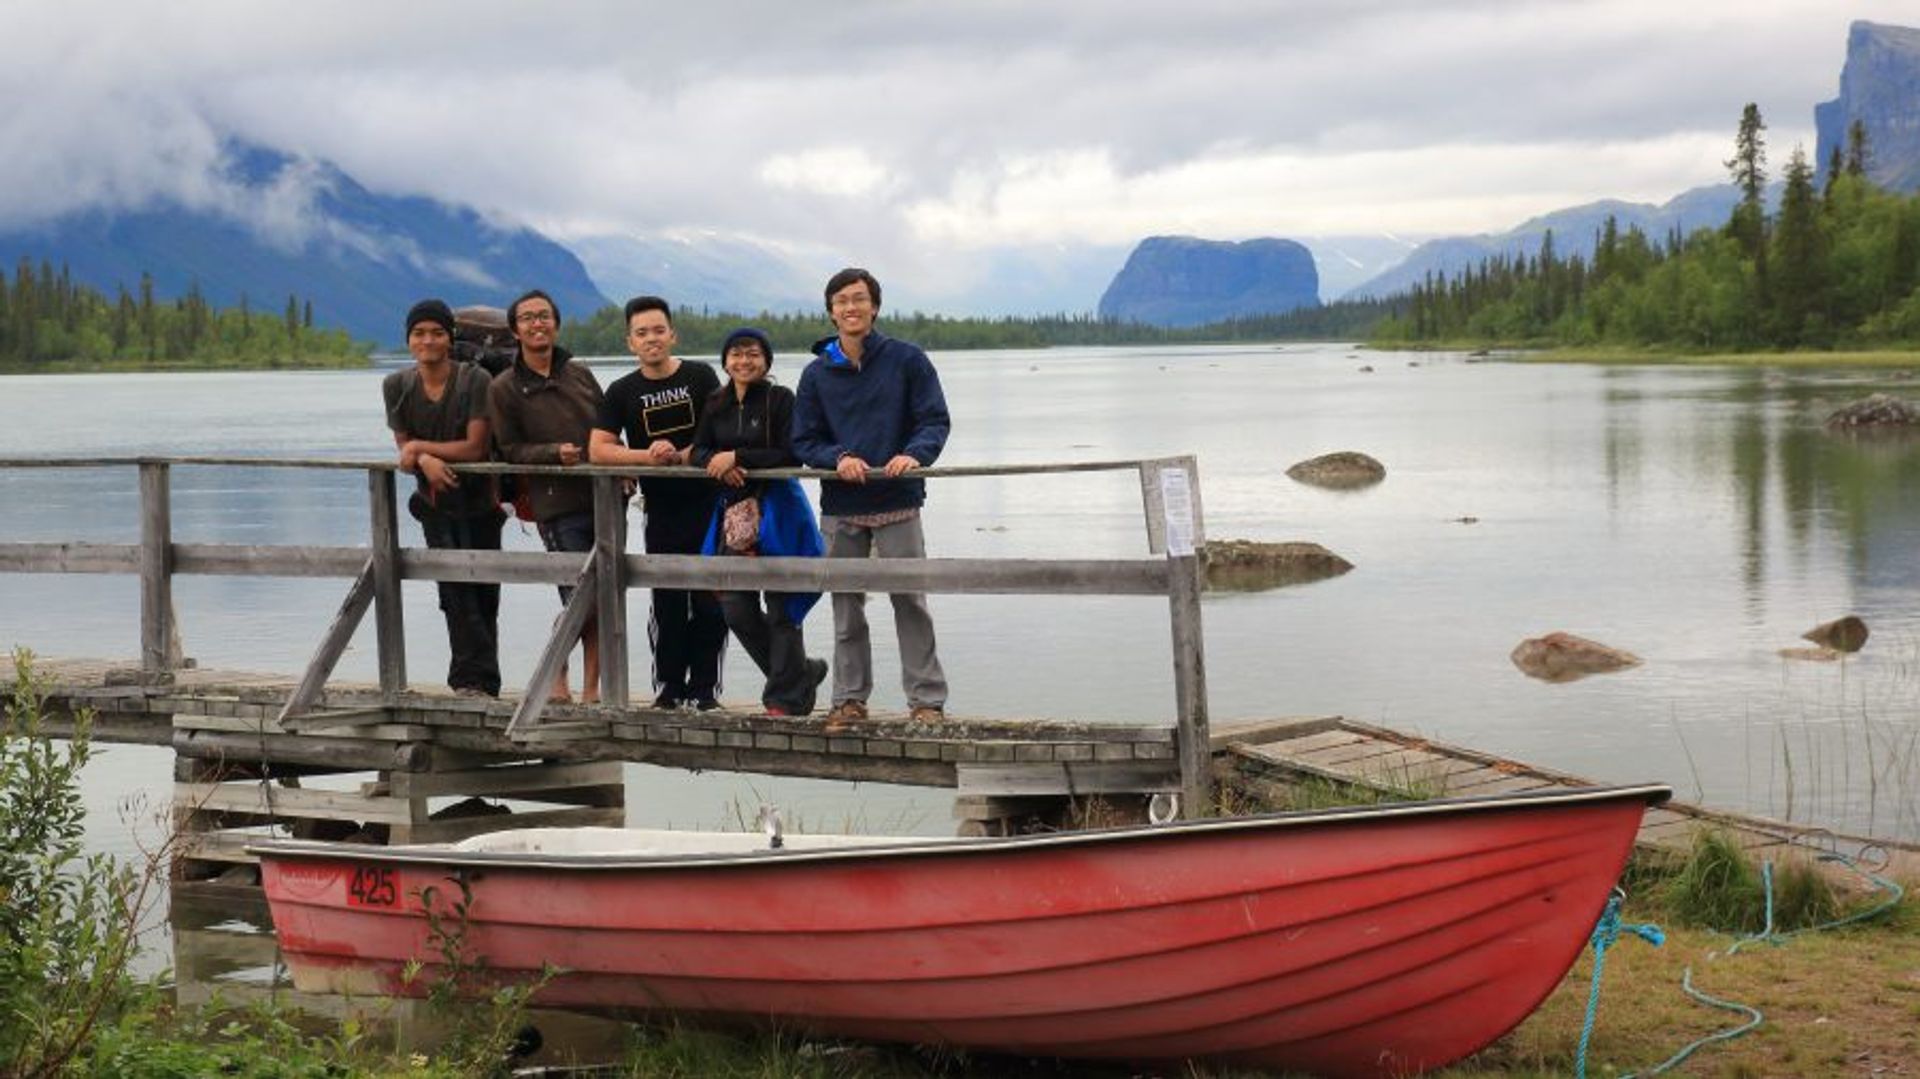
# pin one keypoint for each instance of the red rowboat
(1366, 941)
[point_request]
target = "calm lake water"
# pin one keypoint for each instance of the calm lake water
(1696, 517)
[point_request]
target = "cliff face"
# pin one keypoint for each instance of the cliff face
(1183, 281)
(1879, 86)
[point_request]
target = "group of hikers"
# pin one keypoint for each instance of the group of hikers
(868, 408)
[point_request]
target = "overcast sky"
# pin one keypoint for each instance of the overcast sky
(912, 128)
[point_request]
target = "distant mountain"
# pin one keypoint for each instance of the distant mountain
(1574, 230)
(730, 272)
(707, 270)
(1343, 262)
(285, 225)
(1879, 86)
(1186, 281)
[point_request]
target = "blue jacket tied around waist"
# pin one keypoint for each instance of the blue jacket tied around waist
(787, 530)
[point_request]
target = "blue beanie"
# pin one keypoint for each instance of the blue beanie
(748, 333)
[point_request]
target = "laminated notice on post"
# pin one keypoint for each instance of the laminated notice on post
(1176, 502)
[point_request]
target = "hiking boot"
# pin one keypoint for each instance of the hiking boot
(707, 704)
(926, 718)
(667, 702)
(843, 716)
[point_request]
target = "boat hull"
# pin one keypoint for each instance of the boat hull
(1363, 942)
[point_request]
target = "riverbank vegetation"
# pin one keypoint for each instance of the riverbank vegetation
(1835, 266)
(51, 324)
(1843, 1002)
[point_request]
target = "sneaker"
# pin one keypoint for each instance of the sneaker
(706, 704)
(472, 691)
(667, 702)
(774, 711)
(843, 716)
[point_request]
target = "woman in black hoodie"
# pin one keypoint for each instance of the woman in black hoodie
(747, 424)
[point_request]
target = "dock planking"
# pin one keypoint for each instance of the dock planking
(1383, 761)
(1024, 756)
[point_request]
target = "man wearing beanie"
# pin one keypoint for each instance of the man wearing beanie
(437, 410)
(870, 409)
(657, 407)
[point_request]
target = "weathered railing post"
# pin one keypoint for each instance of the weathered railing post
(1174, 520)
(609, 545)
(389, 627)
(157, 631)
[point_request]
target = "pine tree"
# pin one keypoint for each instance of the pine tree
(1857, 152)
(1748, 166)
(1798, 286)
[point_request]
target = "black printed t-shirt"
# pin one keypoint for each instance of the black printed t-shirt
(644, 410)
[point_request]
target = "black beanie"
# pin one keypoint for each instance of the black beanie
(431, 311)
(748, 333)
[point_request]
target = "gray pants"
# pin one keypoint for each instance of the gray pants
(920, 673)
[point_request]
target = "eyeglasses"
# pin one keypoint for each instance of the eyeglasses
(746, 352)
(534, 318)
(852, 301)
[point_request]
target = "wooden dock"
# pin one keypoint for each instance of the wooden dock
(1267, 755)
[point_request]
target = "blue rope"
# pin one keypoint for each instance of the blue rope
(1605, 932)
(1754, 1019)
(1894, 894)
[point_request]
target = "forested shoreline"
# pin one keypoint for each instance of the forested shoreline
(1836, 266)
(50, 323)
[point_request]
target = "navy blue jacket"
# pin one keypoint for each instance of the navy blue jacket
(890, 404)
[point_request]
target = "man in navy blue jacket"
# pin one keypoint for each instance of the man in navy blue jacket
(870, 408)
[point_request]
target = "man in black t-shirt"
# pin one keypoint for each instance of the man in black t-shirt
(657, 408)
(437, 410)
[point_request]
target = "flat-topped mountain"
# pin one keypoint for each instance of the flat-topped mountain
(1185, 281)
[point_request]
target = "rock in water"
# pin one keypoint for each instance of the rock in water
(1842, 634)
(1563, 657)
(1342, 470)
(1873, 411)
(1247, 566)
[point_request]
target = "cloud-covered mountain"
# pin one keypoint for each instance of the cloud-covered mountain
(1574, 231)
(271, 225)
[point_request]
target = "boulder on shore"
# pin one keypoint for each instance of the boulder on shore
(1842, 634)
(1249, 566)
(1343, 470)
(1563, 657)
(1875, 411)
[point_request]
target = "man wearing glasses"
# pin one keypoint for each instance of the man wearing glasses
(543, 410)
(657, 406)
(870, 409)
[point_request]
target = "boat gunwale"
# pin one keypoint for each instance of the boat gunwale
(1649, 795)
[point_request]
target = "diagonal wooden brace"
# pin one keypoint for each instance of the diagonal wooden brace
(566, 633)
(359, 598)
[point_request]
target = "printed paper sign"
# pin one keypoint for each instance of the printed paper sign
(1176, 500)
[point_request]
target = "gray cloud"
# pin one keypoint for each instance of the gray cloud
(918, 130)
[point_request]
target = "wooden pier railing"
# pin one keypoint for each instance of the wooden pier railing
(1170, 496)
